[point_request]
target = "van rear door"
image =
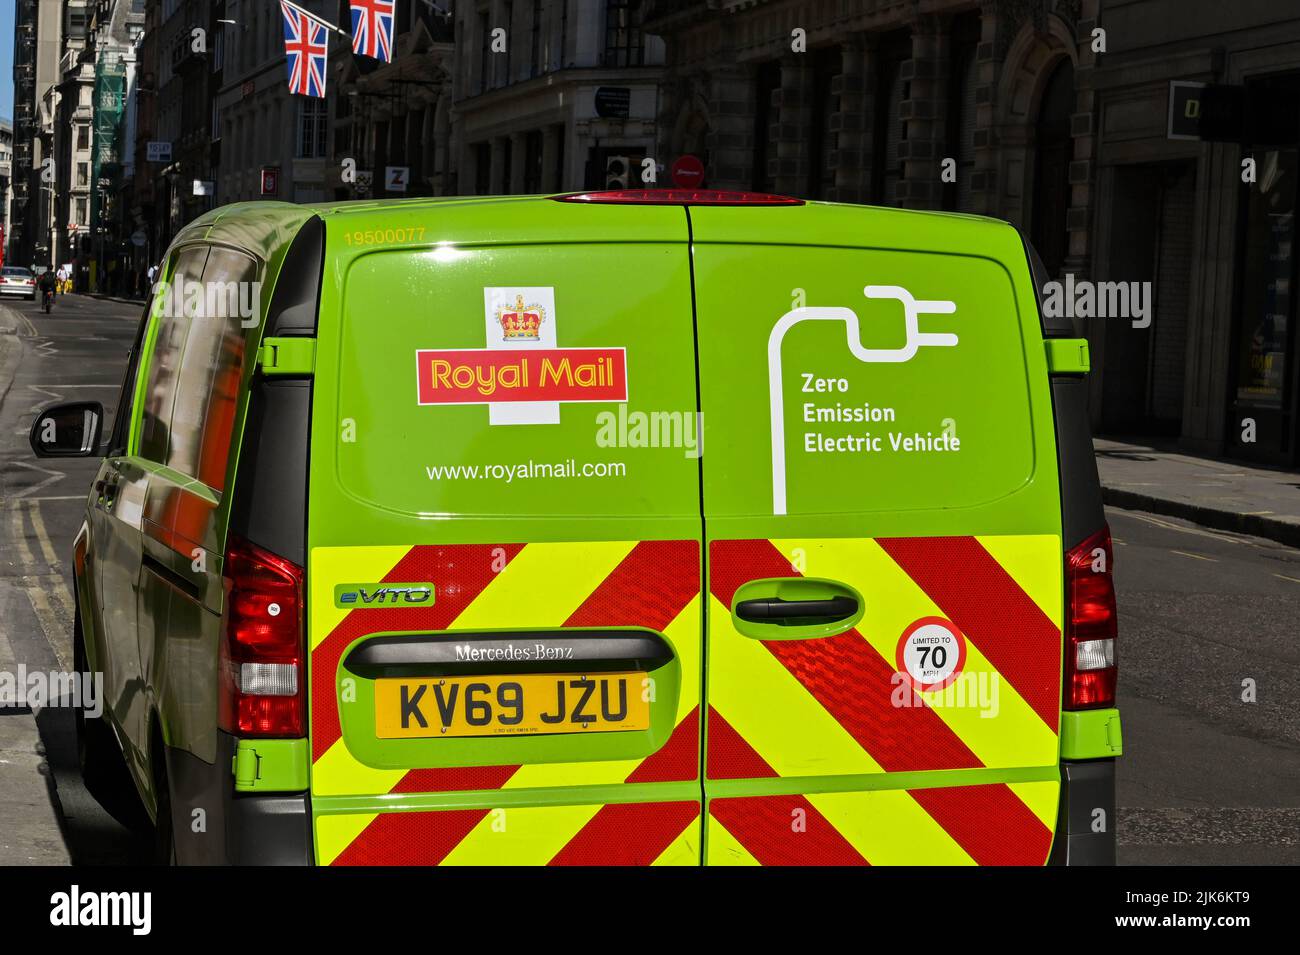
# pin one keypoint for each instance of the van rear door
(884, 540)
(505, 538)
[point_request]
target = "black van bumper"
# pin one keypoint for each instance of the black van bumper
(1085, 822)
(269, 830)
(214, 825)
(275, 828)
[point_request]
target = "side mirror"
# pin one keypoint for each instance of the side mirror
(68, 430)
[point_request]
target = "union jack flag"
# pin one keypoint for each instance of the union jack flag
(305, 48)
(372, 28)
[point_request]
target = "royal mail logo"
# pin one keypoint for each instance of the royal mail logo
(520, 322)
(463, 376)
(522, 375)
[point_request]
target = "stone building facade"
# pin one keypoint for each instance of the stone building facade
(863, 102)
(570, 102)
(273, 145)
(1217, 368)
(38, 30)
(1055, 116)
(397, 114)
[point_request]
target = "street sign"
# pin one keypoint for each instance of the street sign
(1206, 112)
(1258, 114)
(270, 180)
(138, 238)
(613, 102)
(687, 172)
(158, 151)
(396, 178)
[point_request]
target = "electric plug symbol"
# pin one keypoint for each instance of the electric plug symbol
(913, 308)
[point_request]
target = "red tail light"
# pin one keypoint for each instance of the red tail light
(263, 685)
(1090, 624)
(680, 197)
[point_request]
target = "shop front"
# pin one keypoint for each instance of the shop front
(1262, 418)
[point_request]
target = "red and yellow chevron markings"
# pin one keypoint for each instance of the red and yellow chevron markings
(652, 584)
(975, 592)
(467, 570)
(828, 706)
(779, 709)
(634, 833)
(765, 825)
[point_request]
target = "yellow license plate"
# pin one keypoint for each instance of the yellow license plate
(514, 705)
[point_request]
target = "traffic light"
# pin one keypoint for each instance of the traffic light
(618, 172)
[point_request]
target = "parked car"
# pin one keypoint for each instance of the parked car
(16, 280)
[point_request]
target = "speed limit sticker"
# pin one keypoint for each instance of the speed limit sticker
(931, 653)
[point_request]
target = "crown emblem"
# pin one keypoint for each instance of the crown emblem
(520, 322)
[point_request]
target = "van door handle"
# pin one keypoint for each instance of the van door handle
(165, 573)
(776, 610)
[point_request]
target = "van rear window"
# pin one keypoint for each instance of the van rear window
(886, 381)
(518, 381)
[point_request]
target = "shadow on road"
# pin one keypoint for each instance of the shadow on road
(91, 834)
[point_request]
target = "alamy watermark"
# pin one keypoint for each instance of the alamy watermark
(651, 429)
(1086, 299)
(978, 690)
(78, 907)
(37, 689)
(186, 298)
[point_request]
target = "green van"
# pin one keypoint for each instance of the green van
(406, 547)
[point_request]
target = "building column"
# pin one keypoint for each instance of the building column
(518, 157)
(984, 177)
(452, 155)
(1083, 131)
(855, 121)
(413, 147)
(550, 149)
(429, 147)
(793, 112)
(731, 128)
(496, 168)
(923, 113)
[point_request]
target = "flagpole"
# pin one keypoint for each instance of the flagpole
(318, 18)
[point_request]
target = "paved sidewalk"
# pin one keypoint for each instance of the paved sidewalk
(1226, 495)
(124, 299)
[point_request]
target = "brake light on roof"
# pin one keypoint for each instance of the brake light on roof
(263, 687)
(1090, 624)
(679, 197)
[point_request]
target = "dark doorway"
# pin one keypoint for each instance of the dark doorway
(1150, 240)
(1053, 149)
